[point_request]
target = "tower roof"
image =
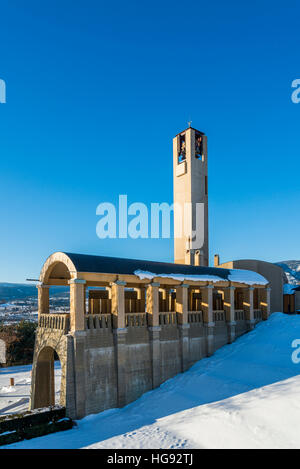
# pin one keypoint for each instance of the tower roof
(196, 130)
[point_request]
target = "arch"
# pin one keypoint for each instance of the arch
(44, 377)
(58, 266)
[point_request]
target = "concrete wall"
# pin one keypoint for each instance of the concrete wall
(103, 368)
(273, 273)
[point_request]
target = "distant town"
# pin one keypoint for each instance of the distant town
(20, 303)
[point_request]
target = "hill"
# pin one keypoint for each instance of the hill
(15, 291)
(292, 270)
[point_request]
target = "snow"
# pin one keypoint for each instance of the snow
(245, 396)
(236, 275)
(15, 399)
(292, 271)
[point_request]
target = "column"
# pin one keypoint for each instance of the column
(182, 317)
(265, 302)
(152, 304)
(43, 299)
(152, 308)
(118, 304)
(229, 309)
(79, 344)
(77, 304)
(182, 303)
(207, 308)
(120, 360)
(119, 331)
(248, 307)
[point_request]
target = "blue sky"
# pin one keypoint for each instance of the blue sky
(97, 90)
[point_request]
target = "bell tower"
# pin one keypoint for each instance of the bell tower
(190, 197)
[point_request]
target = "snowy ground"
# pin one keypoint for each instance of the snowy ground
(14, 399)
(245, 396)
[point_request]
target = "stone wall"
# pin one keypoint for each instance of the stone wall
(103, 367)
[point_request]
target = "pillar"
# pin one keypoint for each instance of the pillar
(182, 316)
(182, 303)
(119, 331)
(118, 304)
(152, 308)
(120, 361)
(152, 304)
(79, 338)
(229, 308)
(207, 308)
(43, 299)
(265, 302)
(248, 307)
(154, 336)
(77, 304)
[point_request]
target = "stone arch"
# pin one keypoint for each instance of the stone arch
(43, 376)
(58, 266)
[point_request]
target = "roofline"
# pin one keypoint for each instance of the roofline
(193, 128)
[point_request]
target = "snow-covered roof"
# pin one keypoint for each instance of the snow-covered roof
(246, 277)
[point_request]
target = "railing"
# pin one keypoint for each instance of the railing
(136, 319)
(219, 315)
(239, 315)
(98, 321)
(167, 318)
(59, 322)
(257, 314)
(195, 317)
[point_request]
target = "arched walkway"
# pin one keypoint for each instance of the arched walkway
(45, 378)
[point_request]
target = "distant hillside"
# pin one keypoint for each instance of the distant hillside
(14, 291)
(292, 270)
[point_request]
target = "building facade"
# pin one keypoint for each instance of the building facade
(135, 332)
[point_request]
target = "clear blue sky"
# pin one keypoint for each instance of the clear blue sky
(97, 90)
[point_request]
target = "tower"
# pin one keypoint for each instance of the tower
(190, 197)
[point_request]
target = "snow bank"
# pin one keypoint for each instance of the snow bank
(236, 275)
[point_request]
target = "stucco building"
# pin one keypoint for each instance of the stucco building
(273, 273)
(139, 330)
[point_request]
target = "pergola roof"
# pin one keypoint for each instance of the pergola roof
(62, 266)
(117, 265)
